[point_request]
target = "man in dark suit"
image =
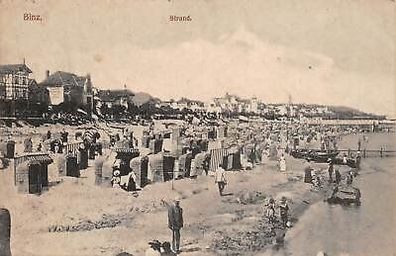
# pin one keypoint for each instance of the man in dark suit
(175, 222)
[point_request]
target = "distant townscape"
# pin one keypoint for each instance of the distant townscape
(66, 97)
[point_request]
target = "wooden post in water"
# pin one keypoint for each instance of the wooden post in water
(5, 232)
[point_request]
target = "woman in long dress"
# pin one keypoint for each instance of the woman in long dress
(282, 163)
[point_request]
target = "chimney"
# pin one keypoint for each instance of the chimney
(24, 61)
(88, 84)
(47, 73)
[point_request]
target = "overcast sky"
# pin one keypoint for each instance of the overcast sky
(339, 52)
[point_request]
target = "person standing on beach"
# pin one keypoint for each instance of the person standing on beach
(335, 147)
(330, 169)
(358, 159)
(175, 222)
(193, 169)
(116, 179)
(282, 163)
(252, 156)
(64, 136)
(344, 159)
(39, 147)
(28, 145)
(61, 163)
(308, 172)
(220, 179)
(99, 169)
(322, 145)
(270, 211)
(349, 178)
(337, 176)
(284, 211)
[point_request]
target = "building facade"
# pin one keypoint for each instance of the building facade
(37, 93)
(14, 82)
(233, 103)
(65, 87)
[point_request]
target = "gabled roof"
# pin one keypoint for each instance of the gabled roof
(64, 78)
(32, 82)
(14, 68)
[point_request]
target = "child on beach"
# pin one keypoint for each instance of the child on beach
(270, 211)
(116, 179)
(220, 179)
(330, 169)
(284, 211)
(282, 163)
(337, 176)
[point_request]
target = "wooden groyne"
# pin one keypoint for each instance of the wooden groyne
(368, 152)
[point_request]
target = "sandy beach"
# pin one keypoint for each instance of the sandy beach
(209, 218)
(75, 217)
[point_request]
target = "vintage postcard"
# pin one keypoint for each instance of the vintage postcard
(197, 127)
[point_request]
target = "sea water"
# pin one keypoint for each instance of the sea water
(369, 229)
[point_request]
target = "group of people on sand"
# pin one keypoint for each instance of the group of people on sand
(271, 208)
(175, 218)
(335, 175)
(127, 184)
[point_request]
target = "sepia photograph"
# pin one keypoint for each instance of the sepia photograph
(197, 127)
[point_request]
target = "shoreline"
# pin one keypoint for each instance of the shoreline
(301, 198)
(320, 221)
